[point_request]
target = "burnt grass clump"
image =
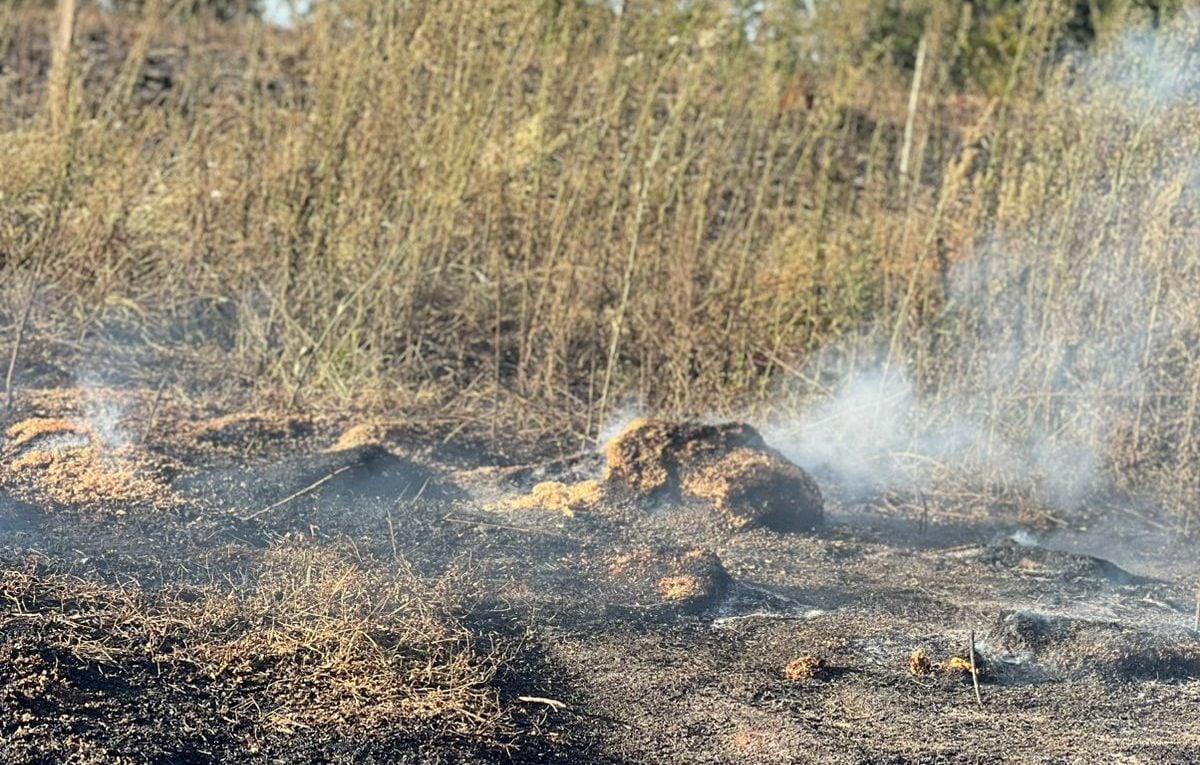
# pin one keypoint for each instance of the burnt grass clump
(726, 467)
(1040, 561)
(1107, 650)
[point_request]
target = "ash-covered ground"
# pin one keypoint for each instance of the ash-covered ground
(259, 588)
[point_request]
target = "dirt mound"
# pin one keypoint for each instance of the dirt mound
(686, 580)
(1042, 561)
(249, 430)
(65, 462)
(382, 433)
(728, 466)
(364, 472)
(1108, 650)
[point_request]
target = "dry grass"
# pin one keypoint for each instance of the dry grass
(66, 462)
(556, 497)
(534, 209)
(803, 668)
(40, 427)
(318, 642)
(747, 486)
(637, 456)
(919, 663)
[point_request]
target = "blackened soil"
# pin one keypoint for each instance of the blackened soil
(1087, 641)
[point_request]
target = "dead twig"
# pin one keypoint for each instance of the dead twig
(552, 703)
(16, 351)
(469, 522)
(60, 65)
(392, 534)
(314, 485)
(975, 672)
(924, 525)
(162, 384)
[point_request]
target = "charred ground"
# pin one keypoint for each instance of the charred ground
(376, 603)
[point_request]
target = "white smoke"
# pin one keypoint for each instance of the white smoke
(620, 419)
(1052, 351)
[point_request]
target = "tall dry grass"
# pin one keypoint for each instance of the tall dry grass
(537, 212)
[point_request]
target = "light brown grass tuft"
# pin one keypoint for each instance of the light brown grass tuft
(64, 462)
(369, 434)
(803, 668)
(919, 663)
(556, 497)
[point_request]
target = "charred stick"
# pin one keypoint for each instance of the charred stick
(392, 533)
(552, 703)
(312, 486)
(975, 671)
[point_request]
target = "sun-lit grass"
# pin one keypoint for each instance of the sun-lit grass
(538, 212)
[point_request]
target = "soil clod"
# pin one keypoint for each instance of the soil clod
(687, 580)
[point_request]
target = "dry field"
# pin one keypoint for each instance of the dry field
(327, 354)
